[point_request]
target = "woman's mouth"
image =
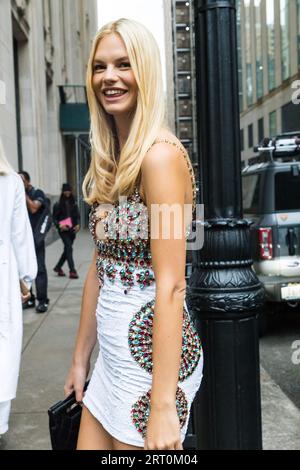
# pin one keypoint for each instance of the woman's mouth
(114, 95)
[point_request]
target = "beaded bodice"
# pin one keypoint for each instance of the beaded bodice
(124, 246)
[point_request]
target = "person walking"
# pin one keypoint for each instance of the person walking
(150, 360)
(17, 262)
(36, 202)
(66, 218)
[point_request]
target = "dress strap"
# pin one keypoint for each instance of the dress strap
(188, 161)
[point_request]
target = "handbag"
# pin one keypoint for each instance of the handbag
(64, 422)
(67, 222)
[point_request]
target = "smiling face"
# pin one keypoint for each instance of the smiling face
(113, 80)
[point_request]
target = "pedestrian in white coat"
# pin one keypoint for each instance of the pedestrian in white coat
(17, 261)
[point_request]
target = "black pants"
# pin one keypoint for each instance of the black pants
(41, 281)
(68, 240)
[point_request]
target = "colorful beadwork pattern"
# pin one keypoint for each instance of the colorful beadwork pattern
(126, 244)
(140, 341)
(132, 252)
(145, 278)
(141, 409)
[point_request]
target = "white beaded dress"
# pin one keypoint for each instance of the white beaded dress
(119, 391)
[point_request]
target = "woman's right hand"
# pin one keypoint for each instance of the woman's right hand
(25, 297)
(75, 381)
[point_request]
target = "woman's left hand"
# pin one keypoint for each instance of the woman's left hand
(76, 228)
(163, 430)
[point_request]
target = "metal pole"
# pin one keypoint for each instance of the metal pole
(224, 293)
(77, 172)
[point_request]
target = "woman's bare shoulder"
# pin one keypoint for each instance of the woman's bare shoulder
(167, 134)
(161, 152)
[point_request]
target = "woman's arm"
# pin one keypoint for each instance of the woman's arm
(163, 171)
(86, 336)
(22, 238)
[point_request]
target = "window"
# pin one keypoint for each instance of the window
(242, 139)
(258, 47)
(250, 136)
(285, 39)
(182, 39)
(185, 108)
(186, 130)
(260, 129)
(251, 187)
(184, 84)
(184, 61)
(290, 117)
(287, 191)
(249, 82)
(271, 43)
(272, 124)
(182, 13)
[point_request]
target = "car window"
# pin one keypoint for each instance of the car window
(251, 185)
(287, 191)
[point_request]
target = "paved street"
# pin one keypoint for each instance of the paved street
(47, 349)
(276, 352)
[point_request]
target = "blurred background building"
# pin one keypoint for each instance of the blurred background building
(269, 63)
(44, 44)
(268, 40)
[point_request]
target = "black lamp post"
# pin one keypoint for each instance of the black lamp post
(224, 293)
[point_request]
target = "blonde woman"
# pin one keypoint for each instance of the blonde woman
(150, 362)
(17, 261)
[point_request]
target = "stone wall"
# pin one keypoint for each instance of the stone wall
(43, 44)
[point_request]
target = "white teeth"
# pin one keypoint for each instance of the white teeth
(114, 92)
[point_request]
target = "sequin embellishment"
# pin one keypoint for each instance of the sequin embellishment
(141, 409)
(140, 341)
(145, 278)
(118, 249)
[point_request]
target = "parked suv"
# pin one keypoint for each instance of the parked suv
(271, 198)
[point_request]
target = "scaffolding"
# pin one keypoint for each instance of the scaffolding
(184, 77)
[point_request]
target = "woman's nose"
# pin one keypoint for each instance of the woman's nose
(110, 74)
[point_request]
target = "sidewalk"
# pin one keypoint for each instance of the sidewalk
(47, 348)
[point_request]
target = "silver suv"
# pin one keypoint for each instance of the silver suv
(271, 199)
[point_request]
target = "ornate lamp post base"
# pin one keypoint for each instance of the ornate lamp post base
(224, 294)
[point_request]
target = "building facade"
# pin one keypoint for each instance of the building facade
(43, 44)
(269, 69)
(268, 40)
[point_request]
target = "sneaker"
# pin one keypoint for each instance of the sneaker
(29, 304)
(73, 275)
(59, 272)
(42, 307)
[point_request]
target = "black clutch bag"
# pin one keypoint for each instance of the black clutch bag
(64, 421)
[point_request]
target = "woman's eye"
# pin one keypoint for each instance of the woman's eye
(98, 67)
(125, 64)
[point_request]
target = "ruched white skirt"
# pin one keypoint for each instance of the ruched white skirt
(119, 391)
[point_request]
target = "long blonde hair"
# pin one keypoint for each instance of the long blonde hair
(5, 167)
(106, 179)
